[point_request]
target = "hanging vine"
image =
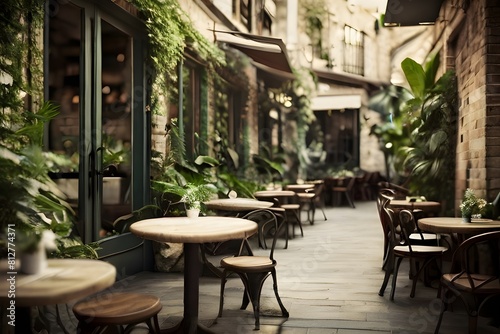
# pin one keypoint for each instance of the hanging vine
(170, 31)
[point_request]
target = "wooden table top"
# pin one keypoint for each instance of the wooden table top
(237, 204)
(194, 230)
(456, 225)
(64, 280)
(274, 193)
(423, 205)
(402, 203)
(299, 186)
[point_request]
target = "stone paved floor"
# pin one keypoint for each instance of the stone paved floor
(328, 280)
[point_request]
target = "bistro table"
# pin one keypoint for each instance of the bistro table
(237, 205)
(456, 225)
(63, 280)
(299, 187)
(456, 228)
(193, 232)
(426, 206)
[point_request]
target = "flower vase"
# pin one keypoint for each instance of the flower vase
(467, 218)
(34, 262)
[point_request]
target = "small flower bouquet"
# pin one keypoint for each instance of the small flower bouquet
(471, 205)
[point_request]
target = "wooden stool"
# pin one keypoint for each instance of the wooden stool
(118, 309)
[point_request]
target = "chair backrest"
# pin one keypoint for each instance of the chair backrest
(349, 183)
(399, 191)
(479, 254)
(408, 226)
(383, 198)
(389, 221)
(268, 223)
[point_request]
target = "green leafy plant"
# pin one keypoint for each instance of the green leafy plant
(471, 204)
(421, 129)
(194, 195)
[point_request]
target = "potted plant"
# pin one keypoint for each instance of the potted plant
(194, 195)
(471, 205)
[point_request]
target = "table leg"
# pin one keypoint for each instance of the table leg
(192, 272)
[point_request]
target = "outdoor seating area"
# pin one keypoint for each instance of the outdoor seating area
(327, 284)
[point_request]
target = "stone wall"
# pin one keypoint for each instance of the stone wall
(471, 41)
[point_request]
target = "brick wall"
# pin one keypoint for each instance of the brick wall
(474, 45)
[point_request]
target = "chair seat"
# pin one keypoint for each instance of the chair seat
(419, 250)
(117, 308)
(425, 236)
(247, 263)
(290, 206)
(306, 196)
(463, 283)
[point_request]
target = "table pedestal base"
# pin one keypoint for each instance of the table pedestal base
(192, 271)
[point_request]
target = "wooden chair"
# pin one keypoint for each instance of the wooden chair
(419, 256)
(475, 277)
(121, 310)
(253, 271)
(344, 186)
(312, 199)
(400, 191)
(383, 198)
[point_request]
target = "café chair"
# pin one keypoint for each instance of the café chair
(292, 212)
(475, 277)
(383, 198)
(253, 271)
(419, 256)
(121, 310)
(400, 192)
(345, 187)
(312, 199)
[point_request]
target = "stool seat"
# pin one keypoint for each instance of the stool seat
(118, 309)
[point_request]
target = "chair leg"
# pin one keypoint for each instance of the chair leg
(472, 324)
(395, 276)
(222, 286)
(253, 284)
(284, 312)
(351, 203)
(388, 270)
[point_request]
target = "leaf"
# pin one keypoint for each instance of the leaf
(415, 76)
(437, 140)
(431, 68)
(206, 160)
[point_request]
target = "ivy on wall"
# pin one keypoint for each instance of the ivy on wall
(170, 32)
(20, 59)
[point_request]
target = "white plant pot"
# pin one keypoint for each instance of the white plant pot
(192, 213)
(34, 263)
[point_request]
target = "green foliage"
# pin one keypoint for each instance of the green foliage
(422, 128)
(471, 204)
(170, 31)
(31, 202)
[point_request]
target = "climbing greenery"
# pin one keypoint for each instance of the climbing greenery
(170, 31)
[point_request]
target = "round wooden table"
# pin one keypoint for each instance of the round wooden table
(456, 228)
(456, 225)
(193, 232)
(237, 204)
(64, 280)
(426, 206)
(274, 193)
(299, 187)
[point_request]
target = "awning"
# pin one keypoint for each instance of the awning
(411, 12)
(268, 51)
(335, 102)
(347, 79)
